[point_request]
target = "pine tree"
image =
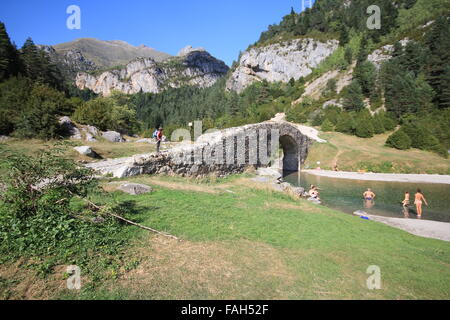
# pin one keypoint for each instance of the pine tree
(365, 73)
(9, 61)
(353, 98)
(438, 42)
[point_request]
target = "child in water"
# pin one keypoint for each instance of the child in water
(406, 201)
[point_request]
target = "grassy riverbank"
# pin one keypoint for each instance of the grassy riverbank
(241, 240)
(352, 154)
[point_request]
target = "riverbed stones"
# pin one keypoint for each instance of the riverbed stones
(135, 188)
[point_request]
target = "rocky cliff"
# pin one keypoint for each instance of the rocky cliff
(191, 67)
(280, 62)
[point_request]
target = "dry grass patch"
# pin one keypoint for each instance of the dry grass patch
(207, 270)
(21, 283)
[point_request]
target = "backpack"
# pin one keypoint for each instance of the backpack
(155, 134)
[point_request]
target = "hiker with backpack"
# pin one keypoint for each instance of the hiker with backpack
(159, 136)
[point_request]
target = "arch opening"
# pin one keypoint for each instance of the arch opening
(291, 161)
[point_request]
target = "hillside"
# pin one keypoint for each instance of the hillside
(107, 54)
(353, 154)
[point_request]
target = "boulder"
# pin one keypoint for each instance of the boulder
(135, 188)
(90, 138)
(87, 151)
(4, 138)
(113, 136)
(93, 130)
(70, 128)
(126, 171)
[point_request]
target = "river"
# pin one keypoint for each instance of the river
(346, 195)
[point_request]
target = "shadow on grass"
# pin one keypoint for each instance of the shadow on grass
(130, 209)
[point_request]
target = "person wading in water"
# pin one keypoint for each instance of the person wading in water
(369, 197)
(419, 200)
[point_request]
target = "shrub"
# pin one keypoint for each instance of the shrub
(40, 116)
(295, 114)
(108, 114)
(388, 123)
(327, 126)
(345, 123)
(36, 213)
(96, 113)
(364, 128)
(378, 125)
(399, 140)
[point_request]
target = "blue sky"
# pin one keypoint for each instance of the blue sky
(221, 27)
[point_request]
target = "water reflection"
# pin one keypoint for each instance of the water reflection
(346, 195)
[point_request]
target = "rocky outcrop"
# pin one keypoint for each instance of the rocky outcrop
(70, 62)
(280, 62)
(194, 67)
(383, 54)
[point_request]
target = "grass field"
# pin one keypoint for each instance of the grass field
(241, 240)
(352, 154)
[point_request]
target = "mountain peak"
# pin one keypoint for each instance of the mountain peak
(188, 49)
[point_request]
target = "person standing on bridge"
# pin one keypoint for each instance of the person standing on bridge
(159, 136)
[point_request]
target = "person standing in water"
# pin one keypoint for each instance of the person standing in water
(405, 204)
(406, 201)
(369, 197)
(419, 200)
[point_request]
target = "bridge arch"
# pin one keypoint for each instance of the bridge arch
(224, 152)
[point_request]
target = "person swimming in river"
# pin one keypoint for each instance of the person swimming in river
(418, 201)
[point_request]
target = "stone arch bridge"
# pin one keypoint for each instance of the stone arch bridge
(222, 152)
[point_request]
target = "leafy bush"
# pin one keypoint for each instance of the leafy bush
(399, 140)
(327, 126)
(364, 128)
(112, 113)
(345, 123)
(378, 125)
(37, 217)
(295, 114)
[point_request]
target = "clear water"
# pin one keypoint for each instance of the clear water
(346, 195)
